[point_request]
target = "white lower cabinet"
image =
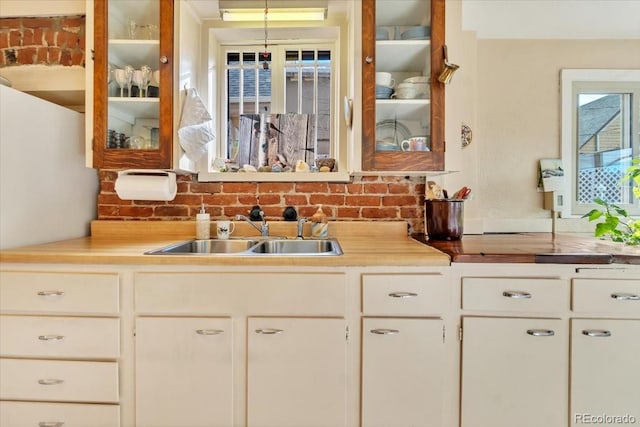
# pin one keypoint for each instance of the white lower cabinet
(402, 372)
(43, 414)
(605, 379)
(514, 372)
(296, 372)
(184, 372)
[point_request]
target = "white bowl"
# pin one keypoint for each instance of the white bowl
(417, 79)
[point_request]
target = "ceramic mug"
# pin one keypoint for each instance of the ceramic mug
(415, 143)
(224, 228)
(384, 79)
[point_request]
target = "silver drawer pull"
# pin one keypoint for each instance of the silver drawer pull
(269, 331)
(209, 331)
(50, 423)
(541, 332)
(383, 331)
(403, 294)
(516, 294)
(50, 337)
(50, 381)
(596, 333)
(623, 296)
(51, 293)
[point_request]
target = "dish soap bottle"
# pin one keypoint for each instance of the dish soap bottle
(203, 225)
(319, 225)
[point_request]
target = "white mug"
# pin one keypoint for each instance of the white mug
(224, 228)
(384, 79)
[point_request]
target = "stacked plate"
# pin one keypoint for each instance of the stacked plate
(417, 33)
(382, 34)
(383, 92)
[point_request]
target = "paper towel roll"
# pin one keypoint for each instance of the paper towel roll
(146, 185)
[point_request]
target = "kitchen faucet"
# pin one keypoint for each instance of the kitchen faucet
(301, 222)
(263, 229)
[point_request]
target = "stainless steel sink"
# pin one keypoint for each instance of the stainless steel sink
(297, 247)
(252, 247)
(200, 247)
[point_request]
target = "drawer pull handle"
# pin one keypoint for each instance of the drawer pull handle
(269, 331)
(209, 331)
(403, 294)
(625, 297)
(50, 337)
(50, 381)
(51, 293)
(516, 294)
(383, 331)
(541, 332)
(596, 333)
(50, 423)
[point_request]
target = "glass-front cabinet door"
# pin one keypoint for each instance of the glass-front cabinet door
(133, 125)
(403, 102)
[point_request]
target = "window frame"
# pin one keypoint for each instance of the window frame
(585, 80)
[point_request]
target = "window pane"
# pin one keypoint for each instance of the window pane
(604, 147)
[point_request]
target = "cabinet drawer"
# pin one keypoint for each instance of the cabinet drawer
(93, 293)
(514, 294)
(73, 337)
(58, 381)
(256, 293)
(606, 296)
(404, 294)
(41, 414)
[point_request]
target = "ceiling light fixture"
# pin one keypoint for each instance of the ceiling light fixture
(275, 14)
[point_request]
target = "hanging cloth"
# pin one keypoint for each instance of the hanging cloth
(196, 127)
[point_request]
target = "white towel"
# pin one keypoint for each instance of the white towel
(196, 127)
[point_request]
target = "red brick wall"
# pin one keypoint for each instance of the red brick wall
(56, 40)
(365, 198)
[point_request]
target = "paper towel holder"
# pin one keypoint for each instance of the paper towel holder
(146, 184)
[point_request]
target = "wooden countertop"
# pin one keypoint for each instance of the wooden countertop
(535, 248)
(125, 242)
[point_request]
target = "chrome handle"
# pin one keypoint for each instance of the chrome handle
(50, 337)
(50, 423)
(209, 331)
(164, 59)
(623, 296)
(368, 59)
(541, 332)
(403, 294)
(269, 331)
(516, 294)
(51, 293)
(596, 333)
(383, 331)
(50, 381)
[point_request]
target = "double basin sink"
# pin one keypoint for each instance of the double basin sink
(253, 247)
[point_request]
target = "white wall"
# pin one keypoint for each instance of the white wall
(46, 193)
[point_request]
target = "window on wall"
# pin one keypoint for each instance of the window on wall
(282, 80)
(600, 137)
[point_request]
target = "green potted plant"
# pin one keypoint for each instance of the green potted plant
(618, 225)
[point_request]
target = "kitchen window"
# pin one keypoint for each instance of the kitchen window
(600, 137)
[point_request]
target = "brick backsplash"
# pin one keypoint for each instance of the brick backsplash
(58, 40)
(371, 198)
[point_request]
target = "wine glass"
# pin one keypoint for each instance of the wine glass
(128, 69)
(121, 78)
(138, 81)
(146, 73)
(132, 28)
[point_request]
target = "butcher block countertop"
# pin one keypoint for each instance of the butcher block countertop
(125, 242)
(541, 248)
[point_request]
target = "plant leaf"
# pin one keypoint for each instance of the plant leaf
(593, 215)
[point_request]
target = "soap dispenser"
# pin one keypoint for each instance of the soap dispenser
(203, 225)
(319, 225)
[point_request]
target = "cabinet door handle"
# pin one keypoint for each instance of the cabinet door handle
(269, 331)
(209, 331)
(623, 296)
(368, 59)
(541, 332)
(51, 293)
(596, 333)
(516, 294)
(50, 381)
(164, 59)
(403, 294)
(384, 331)
(50, 337)
(50, 423)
